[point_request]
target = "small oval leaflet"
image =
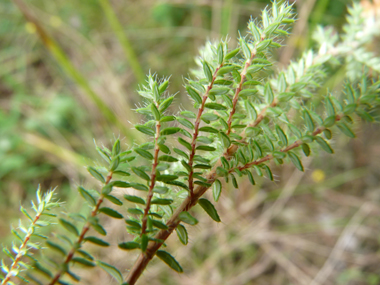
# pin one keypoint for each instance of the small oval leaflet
(217, 190)
(97, 241)
(129, 245)
(162, 201)
(182, 234)
(69, 226)
(113, 271)
(96, 174)
(295, 160)
(169, 260)
(209, 209)
(87, 196)
(111, 212)
(187, 218)
(83, 261)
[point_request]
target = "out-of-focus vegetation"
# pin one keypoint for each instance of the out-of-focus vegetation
(48, 120)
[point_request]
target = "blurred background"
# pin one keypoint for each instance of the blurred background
(77, 83)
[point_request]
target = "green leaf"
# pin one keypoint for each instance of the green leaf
(129, 245)
(188, 114)
(134, 199)
(181, 153)
(97, 227)
(346, 130)
(56, 247)
(202, 166)
(85, 254)
(225, 69)
(329, 107)
(106, 189)
(329, 121)
(135, 211)
(205, 148)
(161, 201)
(194, 94)
(96, 174)
(159, 225)
(103, 154)
(133, 223)
(324, 145)
(295, 160)
(145, 130)
(250, 177)
(220, 171)
(166, 177)
(268, 93)
(185, 123)
(121, 184)
(72, 275)
(83, 261)
(234, 181)
(220, 53)
(207, 70)
(87, 196)
(245, 48)
(111, 212)
(263, 45)
(167, 119)
(208, 117)
(178, 183)
(268, 171)
(247, 92)
(139, 186)
(217, 190)
(167, 158)
(170, 131)
(215, 106)
(232, 53)
(144, 153)
(308, 120)
(327, 133)
(69, 226)
(219, 90)
(160, 189)
(185, 143)
(208, 130)
(209, 209)
(144, 242)
(164, 148)
(140, 173)
(116, 148)
(306, 149)
(182, 234)
(187, 218)
(121, 173)
(97, 241)
(155, 112)
(201, 183)
(169, 260)
(113, 271)
(281, 135)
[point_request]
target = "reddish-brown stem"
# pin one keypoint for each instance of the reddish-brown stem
(152, 178)
(196, 129)
(243, 75)
(289, 147)
(19, 254)
(187, 204)
(79, 241)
